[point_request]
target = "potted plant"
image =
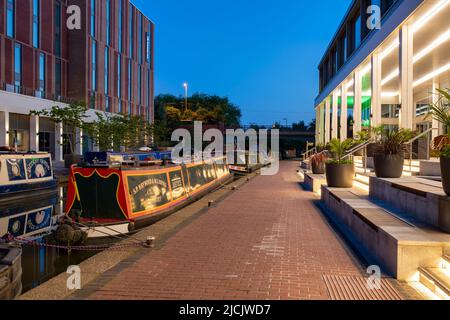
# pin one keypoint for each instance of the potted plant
(318, 163)
(441, 112)
(73, 117)
(340, 172)
(389, 162)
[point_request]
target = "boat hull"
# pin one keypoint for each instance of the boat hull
(115, 196)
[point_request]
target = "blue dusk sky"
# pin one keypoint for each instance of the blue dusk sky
(262, 54)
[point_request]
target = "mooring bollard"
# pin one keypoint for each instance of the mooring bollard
(150, 242)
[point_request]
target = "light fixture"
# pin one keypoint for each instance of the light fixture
(390, 94)
(366, 69)
(431, 75)
(436, 43)
(389, 49)
(430, 14)
(390, 77)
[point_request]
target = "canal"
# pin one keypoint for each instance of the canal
(40, 262)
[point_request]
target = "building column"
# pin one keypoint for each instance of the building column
(335, 112)
(78, 141)
(34, 133)
(327, 120)
(59, 142)
(317, 124)
(344, 112)
(4, 128)
(406, 78)
(357, 102)
(376, 90)
(434, 123)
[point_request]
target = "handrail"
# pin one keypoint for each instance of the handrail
(410, 142)
(308, 153)
(420, 136)
(357, 148)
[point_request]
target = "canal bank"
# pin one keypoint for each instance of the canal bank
(101, 267)
(266, 240)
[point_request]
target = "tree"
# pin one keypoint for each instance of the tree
(74, 116)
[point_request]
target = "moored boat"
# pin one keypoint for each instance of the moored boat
(25, 172)
(115, 198)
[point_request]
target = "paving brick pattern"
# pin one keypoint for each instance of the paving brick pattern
(266, 241)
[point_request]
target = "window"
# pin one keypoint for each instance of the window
(119, 79)
(41, 84)
(94, 65)
(120, 23)
(36, 9)
(93, 18)
(106, 79)
(57, 29)
(17, 67)
(140, 38)
(108, 22)
(139, 78)
(130, 73)
(147, 47)
(131, 31)
(58, 78)
(357, 32)
(10, 18)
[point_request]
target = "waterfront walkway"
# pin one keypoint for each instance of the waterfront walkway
(267, 240)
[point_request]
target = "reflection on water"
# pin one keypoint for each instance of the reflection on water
(36, 216)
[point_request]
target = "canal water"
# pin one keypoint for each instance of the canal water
(39, 262)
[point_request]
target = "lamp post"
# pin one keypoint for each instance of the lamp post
(186, 87)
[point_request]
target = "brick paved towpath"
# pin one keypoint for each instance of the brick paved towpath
(265, 241)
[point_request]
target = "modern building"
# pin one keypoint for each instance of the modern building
(107, 64)
(384, 71)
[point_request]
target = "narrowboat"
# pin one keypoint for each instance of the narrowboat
(243, 165)
(10, 271)
(111, 197)
(31, 219)
(25, 172)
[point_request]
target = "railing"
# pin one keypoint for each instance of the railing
(309, 153)
(362, 146)
(426, 133)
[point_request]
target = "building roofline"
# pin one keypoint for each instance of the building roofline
(140, 11)
(341, 24)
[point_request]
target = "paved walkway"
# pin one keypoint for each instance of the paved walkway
(266, 241)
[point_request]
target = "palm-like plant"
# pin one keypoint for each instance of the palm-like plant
(338, 148)
(441, 109)
(394, 140)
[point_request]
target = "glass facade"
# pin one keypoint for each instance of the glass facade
(94, 65)
(10, 18)
(139, 37)
(139, 79)
(58, 78)
(131, 32)
(366, 99)
(36, 18)
(108, 22)
(93, 18)
(106, 74)
(57, 29)
(17, 67)
(119, 81)
(41, 73)
(130, 86)
(120, 25)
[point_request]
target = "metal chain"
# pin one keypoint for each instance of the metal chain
(81, 248)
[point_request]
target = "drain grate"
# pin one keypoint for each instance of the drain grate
(355, 288)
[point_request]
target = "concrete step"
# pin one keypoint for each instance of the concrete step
(437, 280)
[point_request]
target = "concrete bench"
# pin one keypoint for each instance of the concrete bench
(398, 246)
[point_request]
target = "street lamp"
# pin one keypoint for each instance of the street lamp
(186, 87)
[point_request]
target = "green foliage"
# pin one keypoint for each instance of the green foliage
(441, 109)
(393, 141)
(367, 134)
(210, 109)
(446, 152)
(73, 116)
(338, 149)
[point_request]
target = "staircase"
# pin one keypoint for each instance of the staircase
(437, 280)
